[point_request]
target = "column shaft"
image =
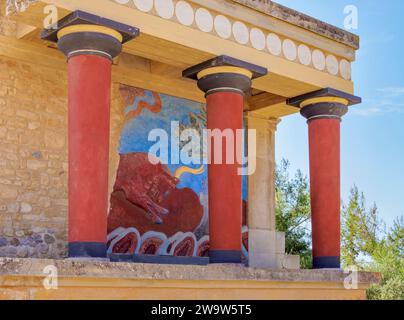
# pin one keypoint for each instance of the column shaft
(225, 112)
(324, 144)
(225, 80)
(324, 110)
(89, 103)
(90, 43)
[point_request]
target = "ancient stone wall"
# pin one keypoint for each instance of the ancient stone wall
(33, 157)
(33, 160)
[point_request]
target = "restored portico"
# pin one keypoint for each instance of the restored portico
(115, 67)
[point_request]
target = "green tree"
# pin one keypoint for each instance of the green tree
(365, 241)
(366, 244)
(293, 212)
(360, 228)
(388, 259)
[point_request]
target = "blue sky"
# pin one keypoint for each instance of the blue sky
(372, 136)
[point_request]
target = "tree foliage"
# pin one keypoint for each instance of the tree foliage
(293, 212)
(360, 228)
(367, 245)
(365, 241)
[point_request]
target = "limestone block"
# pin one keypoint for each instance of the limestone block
(261, 241)
(261, 249)
(292, 262)
(3, 132)
(280, 242)
(263, 261)
(13, 207)
(8, 192)
(287, 261)
(261, 197)
(54, 140)
(26, 114)
(33, 125)
(25, 208)
(36, 165)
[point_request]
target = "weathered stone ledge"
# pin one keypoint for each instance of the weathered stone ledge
(302, 20)
(104, 269)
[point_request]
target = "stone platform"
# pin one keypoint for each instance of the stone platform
(26, 279)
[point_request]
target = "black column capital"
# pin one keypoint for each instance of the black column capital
(325, 103)
(84, 33)
(225, 74)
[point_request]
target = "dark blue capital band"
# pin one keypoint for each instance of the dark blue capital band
(87, 250)
(326, 263)
(225, 256)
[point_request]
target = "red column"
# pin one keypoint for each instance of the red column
(225, 111)
(324, 144)
(89, 103)
(90, 43)
(225, 81)
(324, 110)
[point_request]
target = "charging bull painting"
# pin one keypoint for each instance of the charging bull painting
(158, 208)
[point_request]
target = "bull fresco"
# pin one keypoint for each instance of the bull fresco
(156, 208)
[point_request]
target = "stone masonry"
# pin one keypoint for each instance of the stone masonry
(33, 161)
(33, 156)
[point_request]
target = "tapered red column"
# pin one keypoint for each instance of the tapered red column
(324, 146)
(225, 82)
(89, 103)
(89, 49)
(323, 110)
(225, 112)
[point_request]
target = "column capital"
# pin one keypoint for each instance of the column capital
(257, 120)
(84, 33)
(224, 74)
(326, 103)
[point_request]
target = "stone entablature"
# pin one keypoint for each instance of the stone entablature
(297, 18)
(234, 22)
(244, 32)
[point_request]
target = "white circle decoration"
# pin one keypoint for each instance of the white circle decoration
(345, 69)
(184, 13)
(240, 32)
(144, 5)
(274, 44)
(289, 49)
(318, 60)
(164, 8)
(204, 20)
(304, 54)
(257, 38)
(223, 26)
(332, 64)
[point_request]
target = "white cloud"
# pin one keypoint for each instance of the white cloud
(392, 91)
(382, 105)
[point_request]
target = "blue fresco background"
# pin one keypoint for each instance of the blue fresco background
(134, 137)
